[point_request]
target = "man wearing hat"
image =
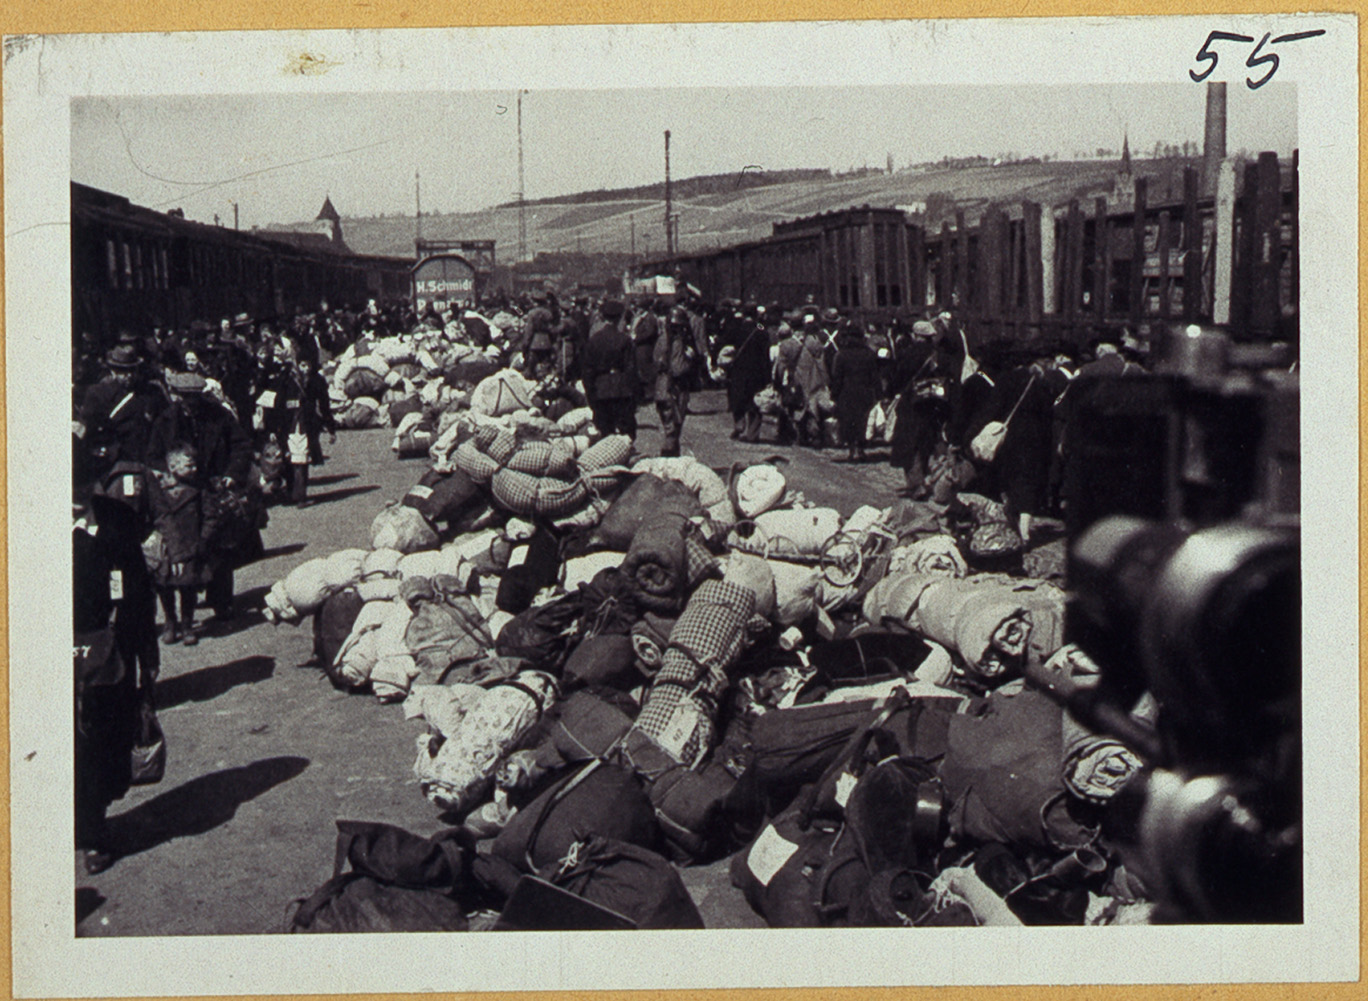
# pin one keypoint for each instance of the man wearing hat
(610, 372)
(117, 412)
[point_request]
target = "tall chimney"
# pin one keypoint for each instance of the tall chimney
(1214, 147)
(669, 219)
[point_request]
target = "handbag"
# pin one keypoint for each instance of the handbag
(148, 758)
(986, 443)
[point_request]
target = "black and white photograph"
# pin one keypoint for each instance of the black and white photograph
(647, 479)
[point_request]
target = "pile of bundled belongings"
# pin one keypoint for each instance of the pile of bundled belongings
(417, 382)
(626, 667)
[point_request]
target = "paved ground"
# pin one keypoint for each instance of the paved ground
(264, 754)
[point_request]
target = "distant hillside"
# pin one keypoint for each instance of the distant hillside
(685, 187)
(713, 216)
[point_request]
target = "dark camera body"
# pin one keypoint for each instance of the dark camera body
(1185, 582)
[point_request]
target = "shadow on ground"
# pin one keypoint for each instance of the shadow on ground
(88, 901)
(340, 494)
(330, 478)
(211, 682)
(198, 806)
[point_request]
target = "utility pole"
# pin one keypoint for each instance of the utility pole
(631, 219)
(669, 232)
(418, 205)
(235, 215)
(522, 209)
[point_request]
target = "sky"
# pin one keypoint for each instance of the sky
(277, 156)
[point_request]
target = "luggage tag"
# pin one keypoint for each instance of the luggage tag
(267, 399)
(116, 589)
(130, 485)
(681, 727)
(420, 491)
(845, 785)
(769, 854)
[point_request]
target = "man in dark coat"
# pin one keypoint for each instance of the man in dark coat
(746, 343)
(1024, 399)
(610, 373)
(855, 383)
(117, 413)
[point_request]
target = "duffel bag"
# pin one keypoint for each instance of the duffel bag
(796, 877)
(363, 382)
(540, 567)
(647, 500)
(1003, 771)
(597, 798)
(586, 726)
(609, 659)
(541, 634)
(692, 810)
(332, 625)
(398, 882)
(785, 749)
(444, 497)
(632, 881)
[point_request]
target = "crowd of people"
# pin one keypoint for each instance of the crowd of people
(182, 438)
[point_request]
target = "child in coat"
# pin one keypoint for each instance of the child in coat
(178, 516)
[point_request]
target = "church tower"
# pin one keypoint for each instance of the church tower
(1123, 185)
(328, 222)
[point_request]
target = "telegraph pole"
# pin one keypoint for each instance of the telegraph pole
(235, 215)
(522, 209)
(669, 223)
(631, 219)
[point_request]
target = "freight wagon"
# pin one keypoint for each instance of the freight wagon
(1026, 270)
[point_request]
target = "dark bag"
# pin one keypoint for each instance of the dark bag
(1003, 774)
(627, 879)
(536, 905)
(400, 409)
(542, 634)
(398, 882)
(597, 799)
(868, 658)
(692, 808)
(445, 497)
(148, 758)
(364, 382)
(800, 877)
(586, 727)
(847, 851)
(519, 585)
(785, 749)
(604, 660)
(332, 625)
(640, 504)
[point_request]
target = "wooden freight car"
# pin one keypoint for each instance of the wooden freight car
(136, 268)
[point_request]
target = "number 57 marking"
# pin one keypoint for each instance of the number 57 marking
(1256, 58)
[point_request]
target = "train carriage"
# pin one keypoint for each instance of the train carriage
(136, 268)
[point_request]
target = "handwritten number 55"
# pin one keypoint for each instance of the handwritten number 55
(1256, 58)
